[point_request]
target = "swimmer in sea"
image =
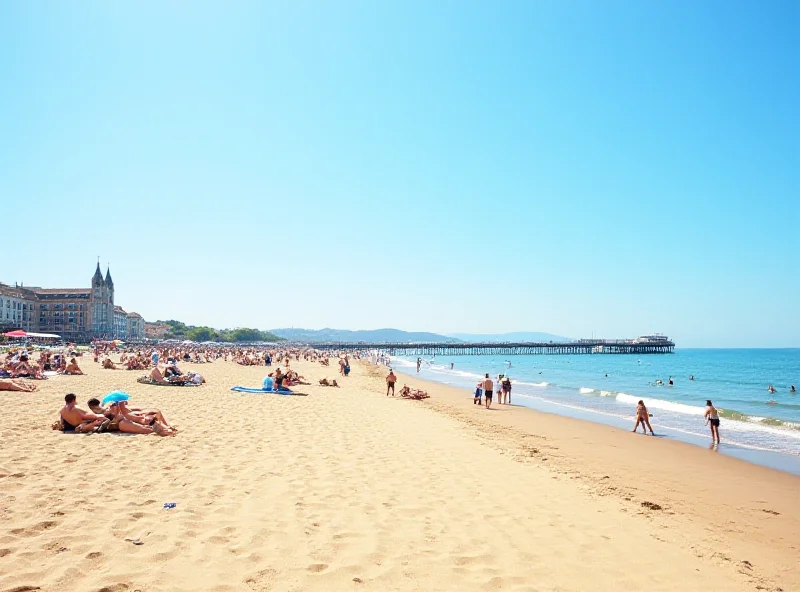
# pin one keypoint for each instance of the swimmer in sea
(670, 381)
(771, 389)
(712, 417)
(691, 377)
(643, 417)
(792, 390)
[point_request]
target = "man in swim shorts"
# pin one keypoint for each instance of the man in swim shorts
(77, 420)
(390, 380)
(712, 417)
(488, 390)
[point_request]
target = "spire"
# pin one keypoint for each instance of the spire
(109, 281)
(97, 279)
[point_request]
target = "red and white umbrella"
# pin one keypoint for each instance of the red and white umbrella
(18, 333)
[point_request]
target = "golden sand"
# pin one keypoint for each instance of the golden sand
(346, 489)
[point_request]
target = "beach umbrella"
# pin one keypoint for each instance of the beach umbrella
(18, 333)
(115, 397)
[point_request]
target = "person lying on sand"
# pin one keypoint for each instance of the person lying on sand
(292, 378)
(158, 378)
(129, 423)
(11, 384)
(77, 420)
(326, 382)
(73, 368)
(409, 393)
(138, 415)
(24, 369)
(643, 417)
(109, 365)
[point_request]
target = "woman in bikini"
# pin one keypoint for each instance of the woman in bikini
(643, 417)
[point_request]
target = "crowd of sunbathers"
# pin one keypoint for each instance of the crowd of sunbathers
(19, 363)
(117, 417)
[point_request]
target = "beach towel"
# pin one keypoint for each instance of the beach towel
(258, 391)
(148, 380)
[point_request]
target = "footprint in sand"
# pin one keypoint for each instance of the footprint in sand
(35, 530)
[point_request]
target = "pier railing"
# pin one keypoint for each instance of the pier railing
(584, 346)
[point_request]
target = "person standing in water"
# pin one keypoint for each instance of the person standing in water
(419, 363)
(712, 417)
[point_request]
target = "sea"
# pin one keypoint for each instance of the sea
(756, 425)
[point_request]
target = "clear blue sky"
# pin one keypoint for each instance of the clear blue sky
(616, 167)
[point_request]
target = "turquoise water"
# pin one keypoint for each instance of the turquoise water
(605, 388)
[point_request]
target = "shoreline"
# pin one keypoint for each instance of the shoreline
(786, 461)
(698, 487)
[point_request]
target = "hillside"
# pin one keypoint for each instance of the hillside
(367, 336)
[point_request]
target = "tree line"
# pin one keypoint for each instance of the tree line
(179, 330)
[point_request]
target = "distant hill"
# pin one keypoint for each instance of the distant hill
(519, 336)
(345, 336)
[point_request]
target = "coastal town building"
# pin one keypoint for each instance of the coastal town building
(76, 314)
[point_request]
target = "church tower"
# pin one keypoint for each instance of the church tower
(99, 303)
(109, 301)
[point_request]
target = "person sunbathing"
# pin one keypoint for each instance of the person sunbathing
(77, 420)
(195, 378)
(171, 371)
(108, 364)
(158, 378)
(326, 382)
(138, 415)
(410, 393)
(25, 370)
(73, 368)
(17, 385)
(128, 423)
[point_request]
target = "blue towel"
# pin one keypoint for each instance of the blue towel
(258, 391)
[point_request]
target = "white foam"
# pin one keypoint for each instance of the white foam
(662, 404)
(585, 391)
(607, 393)
(539, 384)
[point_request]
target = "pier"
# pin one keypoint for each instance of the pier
(583, 346)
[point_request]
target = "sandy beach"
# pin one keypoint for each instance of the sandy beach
(346, 489)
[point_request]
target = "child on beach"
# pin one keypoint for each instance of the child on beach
(643, 417)
(478, 394)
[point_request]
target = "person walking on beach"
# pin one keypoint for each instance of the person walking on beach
(419, 363)
(390, 380)
(643, 417)
(507, 390)
(500, 389)
(488, 389)
(712, 417)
